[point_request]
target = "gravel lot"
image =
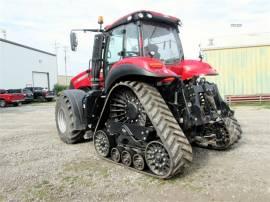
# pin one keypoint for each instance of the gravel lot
(36, 166)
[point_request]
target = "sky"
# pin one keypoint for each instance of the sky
(46, 24)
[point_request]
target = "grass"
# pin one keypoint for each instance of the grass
(2, 198)
(87, 166)
(43, 191)
(189, 182)
(265, 105)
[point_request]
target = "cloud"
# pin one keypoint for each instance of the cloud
(41, 23)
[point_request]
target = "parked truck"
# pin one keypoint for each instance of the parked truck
(28, 95)
(41, 94)
(7, 98)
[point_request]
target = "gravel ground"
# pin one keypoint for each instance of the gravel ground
(36, 166)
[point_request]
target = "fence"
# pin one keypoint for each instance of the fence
(247, 98)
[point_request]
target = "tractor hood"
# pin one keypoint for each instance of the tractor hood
(190, 68)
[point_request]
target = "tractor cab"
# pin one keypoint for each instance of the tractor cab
(144, 34)
(141, 34)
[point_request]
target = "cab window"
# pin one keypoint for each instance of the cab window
(131, 40)
(115, 46)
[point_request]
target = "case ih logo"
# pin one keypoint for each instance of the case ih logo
(236, 25)
(81, 78)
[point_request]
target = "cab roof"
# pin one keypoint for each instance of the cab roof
(144, 15)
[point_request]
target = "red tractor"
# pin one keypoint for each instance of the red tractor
(141, 101)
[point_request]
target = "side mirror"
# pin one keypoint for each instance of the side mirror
(73, 41)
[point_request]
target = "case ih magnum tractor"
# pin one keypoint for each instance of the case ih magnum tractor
(141, 101)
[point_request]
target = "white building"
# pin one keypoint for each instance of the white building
(23, 66)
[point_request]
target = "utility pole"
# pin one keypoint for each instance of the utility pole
(65, 51)
(56, 46)
(65, 48)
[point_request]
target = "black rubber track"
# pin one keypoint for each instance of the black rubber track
(167, 128)
(234, 130)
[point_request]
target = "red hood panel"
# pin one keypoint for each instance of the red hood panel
(150, 64)
(83, 80)
(190, 68)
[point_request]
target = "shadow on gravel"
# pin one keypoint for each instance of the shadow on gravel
(200, 159)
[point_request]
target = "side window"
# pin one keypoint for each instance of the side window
(132, 40)
(115, 45)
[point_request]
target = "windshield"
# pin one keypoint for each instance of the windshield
(14, 90)
(163, 40)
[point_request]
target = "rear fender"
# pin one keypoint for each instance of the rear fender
(191, 68)
(76, 99)
(137, 69)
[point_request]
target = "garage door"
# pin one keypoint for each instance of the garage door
(41, 79)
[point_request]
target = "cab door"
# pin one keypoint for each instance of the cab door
(122, 42)
(114, 49)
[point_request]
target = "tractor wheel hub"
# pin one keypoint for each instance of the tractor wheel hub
(132, 110)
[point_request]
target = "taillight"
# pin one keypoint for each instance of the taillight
(156, 65)
(168, 80)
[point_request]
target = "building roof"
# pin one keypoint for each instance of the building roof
(234, 47)
(236, 41)
(27, 47)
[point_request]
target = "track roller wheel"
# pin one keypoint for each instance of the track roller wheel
(157, 158)
(138, 162)
(102, 143)
(116, 154)
(126, 158)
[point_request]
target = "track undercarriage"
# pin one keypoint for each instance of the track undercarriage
(138, 129)
(141, 132)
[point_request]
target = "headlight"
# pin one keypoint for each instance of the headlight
(140, 15)
(149, 15)
(129, 18)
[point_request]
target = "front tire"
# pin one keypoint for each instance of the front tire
(3, 103)
(17, 104)
(49, 99)
(65, 121)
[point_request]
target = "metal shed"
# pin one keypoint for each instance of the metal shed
(243, 70)
(23, 66)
